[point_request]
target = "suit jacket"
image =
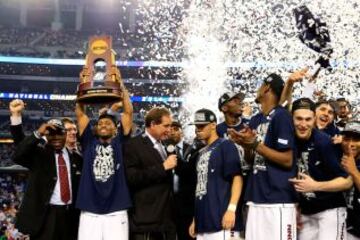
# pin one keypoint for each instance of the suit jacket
(186, 171)
(150, 187)
(40, 160)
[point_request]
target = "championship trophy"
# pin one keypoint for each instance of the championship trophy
(100, 79)
(314, 33)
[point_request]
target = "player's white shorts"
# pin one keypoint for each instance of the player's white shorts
(112, 226)
(271, 222)
(222, 235)
(326, 225)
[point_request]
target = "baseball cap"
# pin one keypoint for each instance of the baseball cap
(352, 128)
(109, 116)
(276, 83)
(303, 103)
(204, 116)
(176, 124)
(229, 96)
(58, 124)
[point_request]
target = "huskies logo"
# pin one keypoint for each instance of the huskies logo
(303, 167)
(103, 166)
(202, 174)
(259, 161)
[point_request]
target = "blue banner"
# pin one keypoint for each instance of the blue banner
(68, 97)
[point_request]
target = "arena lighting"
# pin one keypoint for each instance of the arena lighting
(244, 65)
(81, 62)
(68, 97)
(6, 140)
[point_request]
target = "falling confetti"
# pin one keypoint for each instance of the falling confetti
(227, 45)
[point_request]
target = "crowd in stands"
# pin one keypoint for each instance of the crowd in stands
(43, 42)
(6, 152)
(54, 87)
(11, 192)
(73, 71)
(22, 36)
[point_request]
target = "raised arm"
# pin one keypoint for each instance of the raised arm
(82, 119)
(127, 115)
(16, 107)
(296, 76)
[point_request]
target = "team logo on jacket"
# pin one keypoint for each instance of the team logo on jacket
(103, 166)
(303, 167)
(259, 160)
(202, 174)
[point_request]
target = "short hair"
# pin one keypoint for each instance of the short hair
(342, 99)
(176, 124)
(326, 102)
(67, 120)
(155, 115)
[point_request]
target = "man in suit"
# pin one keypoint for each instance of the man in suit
(16, 108)
(184, 182)
(47, 210)
(71, 135)
(149, 174)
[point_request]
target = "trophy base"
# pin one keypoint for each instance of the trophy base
(98, 96)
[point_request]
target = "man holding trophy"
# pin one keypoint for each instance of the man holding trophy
(103, 192)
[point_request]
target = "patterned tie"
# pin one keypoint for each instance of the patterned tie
(161, 150)
(64, 179)
(179, 152)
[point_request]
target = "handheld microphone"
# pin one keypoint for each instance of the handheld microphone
(171, 149)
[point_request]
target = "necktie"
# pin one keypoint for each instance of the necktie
(179, 152)
(161, 150)
(64, 180)
(176, 177)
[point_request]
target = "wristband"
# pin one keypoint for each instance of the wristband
(232, 207)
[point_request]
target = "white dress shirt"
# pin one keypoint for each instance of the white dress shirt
(56, 196)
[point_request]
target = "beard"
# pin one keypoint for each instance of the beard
(105, 136)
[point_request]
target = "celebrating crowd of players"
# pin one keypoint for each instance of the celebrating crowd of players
(285, 173)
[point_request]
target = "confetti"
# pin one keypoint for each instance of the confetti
(227, 45)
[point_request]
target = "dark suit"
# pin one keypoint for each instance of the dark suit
(185, 196)
(151, 190)
(35, 209)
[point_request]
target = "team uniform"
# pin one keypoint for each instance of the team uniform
(323, 214)
(353, 212)
(221, 130)
(103, 195)
(269, 195)
(331, 129)
(216, 166)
